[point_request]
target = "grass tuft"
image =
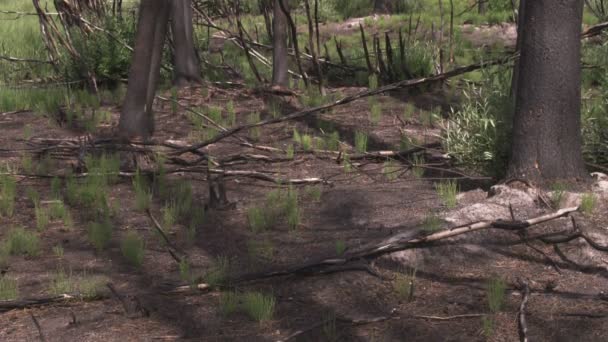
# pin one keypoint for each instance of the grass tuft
(22, 242)
(133, 248)
(8, 191)
(447, 191)
(588, 203)
(258, 306)
(229, 302)
(496, 293)
(9, 288)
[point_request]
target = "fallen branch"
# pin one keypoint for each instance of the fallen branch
(521, 315)
(8, 305)
(402, 241)
(24, 60)
(594, 30)
(38, 327)
(363, 94)
(170, 247)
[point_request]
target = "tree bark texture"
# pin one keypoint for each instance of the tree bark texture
(137, 118)
(186, 64)
(547, 125)
(280, 75)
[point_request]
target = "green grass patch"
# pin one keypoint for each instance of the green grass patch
(9, 288)
(495, 292)
(588, 203)
(132, 247)
(22, 242)
(447, 191)
(258, 306)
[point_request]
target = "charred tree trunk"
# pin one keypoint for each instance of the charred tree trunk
(186, 64)
(136, 117)
(547, 124)
(280, 73)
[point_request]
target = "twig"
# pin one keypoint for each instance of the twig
(171, 248)
(37, 324)
(32, 302)
(24, 60)
(521, 315)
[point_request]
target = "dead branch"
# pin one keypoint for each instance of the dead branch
(405, 240)
(521, 315)
(38, 327)
(8, 305)
(594, 30)
(363, 94)
(170, 247)
(24, 60)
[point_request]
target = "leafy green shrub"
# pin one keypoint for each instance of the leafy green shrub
(478, 134)
(102, 53)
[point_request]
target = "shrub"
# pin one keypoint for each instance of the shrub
(9, 288)
(100, 233)
(478, 134)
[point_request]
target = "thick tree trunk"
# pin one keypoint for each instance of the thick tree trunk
(186, 64)
(520, 25)
(137, 118)
(547, 125)
(280, 75)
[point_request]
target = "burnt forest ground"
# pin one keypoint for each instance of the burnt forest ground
(77, 219)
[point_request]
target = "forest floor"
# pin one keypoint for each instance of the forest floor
(568, 302)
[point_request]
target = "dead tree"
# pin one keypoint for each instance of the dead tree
(186, 64)
(280, 74)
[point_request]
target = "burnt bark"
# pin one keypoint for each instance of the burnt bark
(136, 117)
(280, 74)
(186, 64)
(547, 125)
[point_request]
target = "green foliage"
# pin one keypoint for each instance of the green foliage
(42, 217)
(185, 273)
(447, 191)
(169, 214)
(314, 192)
(102, 53)
(229, 302)
(487, 326)
(588, 203)
(290, 152)
(58, 251)
(62, 283)
(254, 118)
(375, 113)
(391, 170)
(417, 169)
(360, 142)
(100, 233)
(143, 194)
(432, 223)
(218, 272)
(8, 191)
(496, 288)
(20, 241)
(258, 306)
(133, 248)
(9, 288)
(557, 194)
(91, 287)
(332, 141)
(340, 247)
(478, 135)
(56, 188)
(404, 285)
(278, 205)
(260, 249)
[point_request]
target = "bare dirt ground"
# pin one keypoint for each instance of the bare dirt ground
(568, 300)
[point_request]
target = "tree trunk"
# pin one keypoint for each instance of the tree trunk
(186, 64)
(481, 6)
(547, 124)
(137, 118)
(520, 26)
(280, 75)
